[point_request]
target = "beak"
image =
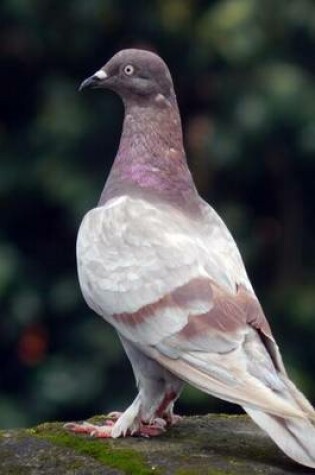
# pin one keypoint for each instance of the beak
(94, 81)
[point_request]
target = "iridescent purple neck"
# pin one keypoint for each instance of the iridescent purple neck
(151, 157)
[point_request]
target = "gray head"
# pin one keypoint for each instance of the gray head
(134, 74)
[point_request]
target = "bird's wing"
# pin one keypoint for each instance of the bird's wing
(164, 283)
(226, 252)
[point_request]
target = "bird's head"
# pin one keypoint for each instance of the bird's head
(133, 74)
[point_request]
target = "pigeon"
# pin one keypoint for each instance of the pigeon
(158, 263)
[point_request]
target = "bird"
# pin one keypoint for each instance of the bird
(157, 263)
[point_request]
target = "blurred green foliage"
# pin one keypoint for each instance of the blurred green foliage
(244, 74)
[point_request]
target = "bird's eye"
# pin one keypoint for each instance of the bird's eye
(129, 70)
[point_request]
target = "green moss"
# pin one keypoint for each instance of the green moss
(129, 461)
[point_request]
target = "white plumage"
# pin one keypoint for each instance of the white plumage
(158, 263)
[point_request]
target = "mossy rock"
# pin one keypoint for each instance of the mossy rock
(205, 445)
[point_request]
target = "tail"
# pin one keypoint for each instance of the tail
(295, 436)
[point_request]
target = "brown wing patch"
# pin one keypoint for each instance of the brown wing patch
(254, 313)
(229, 313)
(198, 289)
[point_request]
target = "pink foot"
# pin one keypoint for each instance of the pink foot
(91, 429)
(172, 419)
(153, 429)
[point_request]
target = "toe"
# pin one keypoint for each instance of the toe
(153, 429)
(84, 428)
(102, 432)
(174, 419)
(92, 429)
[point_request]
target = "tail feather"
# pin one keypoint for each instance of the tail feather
(298, 398)
(295, 436)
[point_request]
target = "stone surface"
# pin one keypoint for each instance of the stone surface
(214, 444)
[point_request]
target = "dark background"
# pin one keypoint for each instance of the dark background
(244, 76)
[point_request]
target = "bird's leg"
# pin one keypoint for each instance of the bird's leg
(165, 409)
(150, 412)
(159, 389)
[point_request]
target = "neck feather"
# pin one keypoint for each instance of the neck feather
(151, 156)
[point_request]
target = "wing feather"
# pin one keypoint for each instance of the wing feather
(177, 288)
